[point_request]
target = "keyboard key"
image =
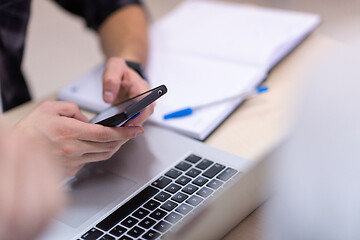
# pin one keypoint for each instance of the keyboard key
(179, 197)
(147, 223)
(136, 232)
(129, 222)
(140, 213)
(173, 173)
(183, 180)
(227, 174)
(214, 184)
(107, 237)
(193, 172)
(183, 166)
(158, 214)
(205, 192)
(162, 196)
(194, 200)
(169, 205)
(92, 234)
(173, 188)
(151, 205)
(125, 238)
(193, 158)
(127, 208)
(162, 226)
(161, 182)
(151, 235)
(190, 189)
(173, 217)
(118, 231)
(200, 181)
(204, 164)
(184, 209)
(215, 169)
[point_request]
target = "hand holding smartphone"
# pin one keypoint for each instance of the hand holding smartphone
(119, 114)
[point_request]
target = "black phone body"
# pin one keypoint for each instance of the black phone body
(117, 115)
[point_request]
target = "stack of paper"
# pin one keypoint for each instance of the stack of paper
(205, 51)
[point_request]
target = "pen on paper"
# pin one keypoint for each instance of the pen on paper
(190, 110)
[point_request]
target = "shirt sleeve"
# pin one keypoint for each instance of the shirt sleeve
(95, 11)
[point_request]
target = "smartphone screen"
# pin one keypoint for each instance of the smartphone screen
(120, 113)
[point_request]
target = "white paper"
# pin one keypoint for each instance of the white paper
(230, 31)
(193, 81)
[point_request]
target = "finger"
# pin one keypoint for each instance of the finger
(138, 86)
(65, 109)
(86, 147)
(96, 157)
(144, 115)
(113, 74)
(98, 133)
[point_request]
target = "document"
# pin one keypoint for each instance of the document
(205, 51)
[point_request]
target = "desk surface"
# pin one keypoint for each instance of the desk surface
(257, 126)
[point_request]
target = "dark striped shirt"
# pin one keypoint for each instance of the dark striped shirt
(14, 16)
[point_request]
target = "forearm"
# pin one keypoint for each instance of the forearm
(124, 34)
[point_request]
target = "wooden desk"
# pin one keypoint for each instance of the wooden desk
(257, 126)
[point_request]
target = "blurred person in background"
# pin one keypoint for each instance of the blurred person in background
(30, 192)
(318, 174)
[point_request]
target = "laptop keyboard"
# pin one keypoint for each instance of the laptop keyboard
(153, 211)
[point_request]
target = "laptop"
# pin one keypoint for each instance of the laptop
(160, 185)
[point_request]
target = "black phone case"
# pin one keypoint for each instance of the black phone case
(136, 108)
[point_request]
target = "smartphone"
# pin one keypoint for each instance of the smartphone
(119, 114)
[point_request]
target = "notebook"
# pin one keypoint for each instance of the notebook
(206, 51)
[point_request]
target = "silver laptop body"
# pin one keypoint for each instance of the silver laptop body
(99, 189)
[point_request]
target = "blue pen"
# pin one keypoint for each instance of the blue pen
(189, 110)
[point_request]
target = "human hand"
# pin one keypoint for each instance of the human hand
(121, 83)
(61, 129)
(30, 193)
